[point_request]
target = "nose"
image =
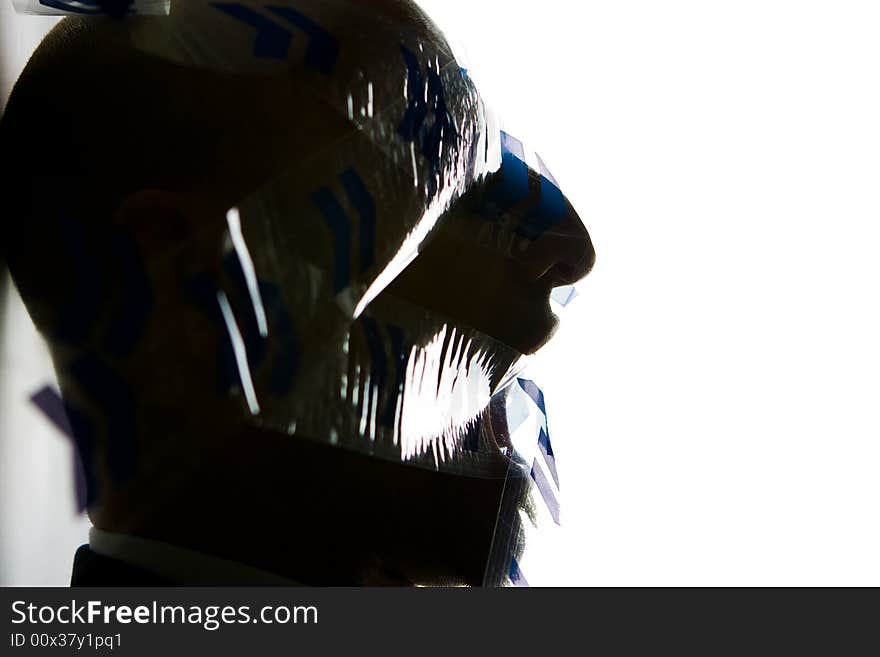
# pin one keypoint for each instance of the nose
(564, 253)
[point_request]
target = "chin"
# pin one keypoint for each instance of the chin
(547, 333)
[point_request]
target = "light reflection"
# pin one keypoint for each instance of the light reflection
(238, 348)
(443, 397)
(233, 220)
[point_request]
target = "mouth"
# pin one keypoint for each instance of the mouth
(536, 324)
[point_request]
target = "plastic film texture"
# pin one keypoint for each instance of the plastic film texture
(377, 292)
(93, 7)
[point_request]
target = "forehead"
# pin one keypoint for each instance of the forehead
(366, 62)
(337, 39)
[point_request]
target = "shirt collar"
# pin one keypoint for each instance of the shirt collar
(180, 565)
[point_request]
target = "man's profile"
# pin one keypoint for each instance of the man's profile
(287, 265)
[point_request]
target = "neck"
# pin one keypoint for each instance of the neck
(315, 514)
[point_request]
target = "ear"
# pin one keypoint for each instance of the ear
(169, 227)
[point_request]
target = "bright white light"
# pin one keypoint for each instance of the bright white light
(442, 396)
(233, 220)
(712, 393)
(238, 348)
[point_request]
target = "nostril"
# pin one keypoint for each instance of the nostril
(579, 262)
(562, 255)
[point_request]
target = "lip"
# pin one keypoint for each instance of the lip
(540, 322)
(535, 292)
(553, 278)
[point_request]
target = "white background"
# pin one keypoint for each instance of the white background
(713, 395)
(40, 528)
(714, 398)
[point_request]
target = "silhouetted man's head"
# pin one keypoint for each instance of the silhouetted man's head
(283, 258)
